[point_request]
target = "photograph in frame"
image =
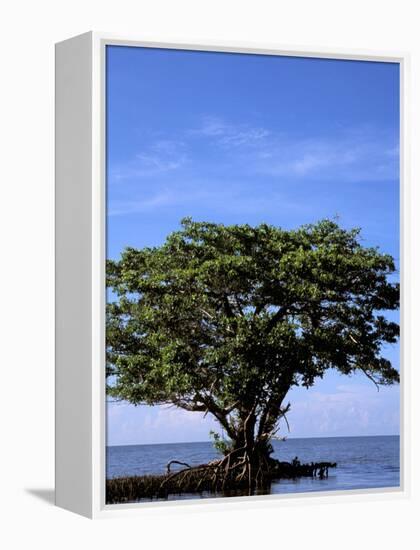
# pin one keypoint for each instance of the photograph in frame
(252, 274)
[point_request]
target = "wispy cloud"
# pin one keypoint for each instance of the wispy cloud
(241, 168)
(346, 157)
(228, 134)
(118, 207)
(158, 158)
(198, 196)
(349, 154)
(361, 154)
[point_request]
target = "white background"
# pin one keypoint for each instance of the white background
(28, 32)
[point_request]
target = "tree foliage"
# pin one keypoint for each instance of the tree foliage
(226, 319)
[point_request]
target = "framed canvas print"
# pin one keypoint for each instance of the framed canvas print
(229, 256)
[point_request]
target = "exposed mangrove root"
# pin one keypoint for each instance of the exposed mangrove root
(168, 466)
(236, 473)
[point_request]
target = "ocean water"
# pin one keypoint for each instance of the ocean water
(362, 462)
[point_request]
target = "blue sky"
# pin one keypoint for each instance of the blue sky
(237, 138)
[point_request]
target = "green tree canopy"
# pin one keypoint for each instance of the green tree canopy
(226, 319)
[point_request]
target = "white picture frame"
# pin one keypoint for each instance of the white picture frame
(80, 269)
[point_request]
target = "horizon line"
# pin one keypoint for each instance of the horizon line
(288, 438)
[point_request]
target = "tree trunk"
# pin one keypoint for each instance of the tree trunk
(248, 460)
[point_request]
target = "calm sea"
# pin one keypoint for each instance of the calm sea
(362, 462)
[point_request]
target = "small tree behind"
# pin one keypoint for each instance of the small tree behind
(225, 320)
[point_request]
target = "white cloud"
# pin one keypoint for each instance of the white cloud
(347, 157)
(349, 410)
(228, 134)
(363, 154)
(123, 207)
(160, 157)
(205, 167)
(211, 127)
(351, 154)
(128, 425)
(220, 196)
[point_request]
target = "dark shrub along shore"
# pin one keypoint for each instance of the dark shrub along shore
(205, 478)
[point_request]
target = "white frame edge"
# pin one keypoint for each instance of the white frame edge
(80, 276)
(73, 218)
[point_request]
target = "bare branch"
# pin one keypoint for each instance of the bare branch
(365, 371)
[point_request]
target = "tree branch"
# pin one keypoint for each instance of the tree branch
(365, 371)
(258, 309)
(276, 317)
(227, 306)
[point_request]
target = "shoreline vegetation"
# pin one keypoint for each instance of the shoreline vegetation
(214, 477)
